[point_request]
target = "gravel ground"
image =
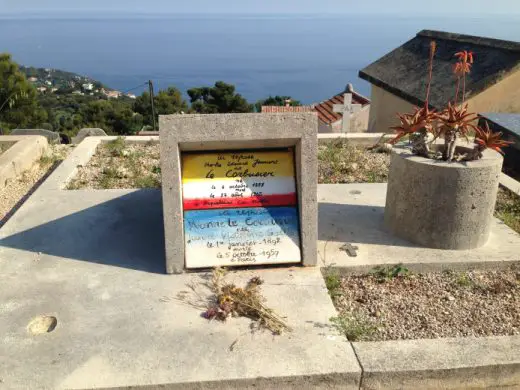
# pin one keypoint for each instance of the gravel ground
(340, 162)
(433, 305)
(120, 165)
(20, 187)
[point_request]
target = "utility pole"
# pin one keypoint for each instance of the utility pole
(150, 87)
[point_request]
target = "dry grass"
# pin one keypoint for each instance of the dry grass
(341, 162)
(117, 164)
(5, 145)
(507, 208)
(226, 300)
(433, 305)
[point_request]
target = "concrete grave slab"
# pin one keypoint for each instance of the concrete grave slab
(353, 214)
(23, 153)
(188, 133)
(95, 261)
(88, 132)
(450, 363)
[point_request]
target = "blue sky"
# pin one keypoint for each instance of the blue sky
(403, 7)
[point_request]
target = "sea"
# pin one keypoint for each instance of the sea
(309, 57)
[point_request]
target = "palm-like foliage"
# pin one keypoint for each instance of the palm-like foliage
(485, 138)
(458, 119)
(411, 123)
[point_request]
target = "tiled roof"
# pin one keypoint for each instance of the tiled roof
(325, 108)
(403, 72)
(280, 109)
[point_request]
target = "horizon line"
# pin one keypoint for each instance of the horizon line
(102, 13)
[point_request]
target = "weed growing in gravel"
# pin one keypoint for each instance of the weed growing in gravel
(464, 280)
(116, 147)
(50, 158)
(5, 145)
(132, 163)
(332, 281)
(108, 175)
(342, 162)
(75, 185)
(371, 177)
(508, 209)
(383, 274)
(353, 326)
(147, 181)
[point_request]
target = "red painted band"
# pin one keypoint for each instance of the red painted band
(250, 201)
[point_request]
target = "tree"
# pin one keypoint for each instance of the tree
(166, 102)
(18, 99)
(276, 101)
(218, 99)
(113, 116)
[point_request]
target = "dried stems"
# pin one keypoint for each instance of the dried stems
(227, 300)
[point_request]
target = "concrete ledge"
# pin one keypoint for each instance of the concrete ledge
(440, 363)
(509, 183)
(21, 156)
(360, 139)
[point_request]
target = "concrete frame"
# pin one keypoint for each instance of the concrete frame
(21, 156)
(197, 132)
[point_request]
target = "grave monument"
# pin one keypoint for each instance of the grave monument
(239, 189)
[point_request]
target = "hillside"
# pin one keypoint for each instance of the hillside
(47, 80)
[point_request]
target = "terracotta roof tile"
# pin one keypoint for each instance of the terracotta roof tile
(281, 109)
(325, 110)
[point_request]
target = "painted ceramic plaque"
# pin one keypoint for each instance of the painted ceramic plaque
(250, 179)
(242, 236)
(240, 208)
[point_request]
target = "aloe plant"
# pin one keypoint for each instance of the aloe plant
(423, 126)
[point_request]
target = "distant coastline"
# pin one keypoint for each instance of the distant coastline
(310, 57)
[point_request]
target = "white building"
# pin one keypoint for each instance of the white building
(88, 86)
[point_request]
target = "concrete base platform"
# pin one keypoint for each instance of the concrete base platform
(95, 260)
(353, 213)
(451, 363)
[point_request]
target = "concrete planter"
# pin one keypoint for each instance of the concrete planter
(442, 205)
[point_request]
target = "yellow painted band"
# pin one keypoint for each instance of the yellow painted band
(236, 165)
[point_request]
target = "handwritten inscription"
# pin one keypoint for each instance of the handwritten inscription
(222, 180)
(242, 236)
